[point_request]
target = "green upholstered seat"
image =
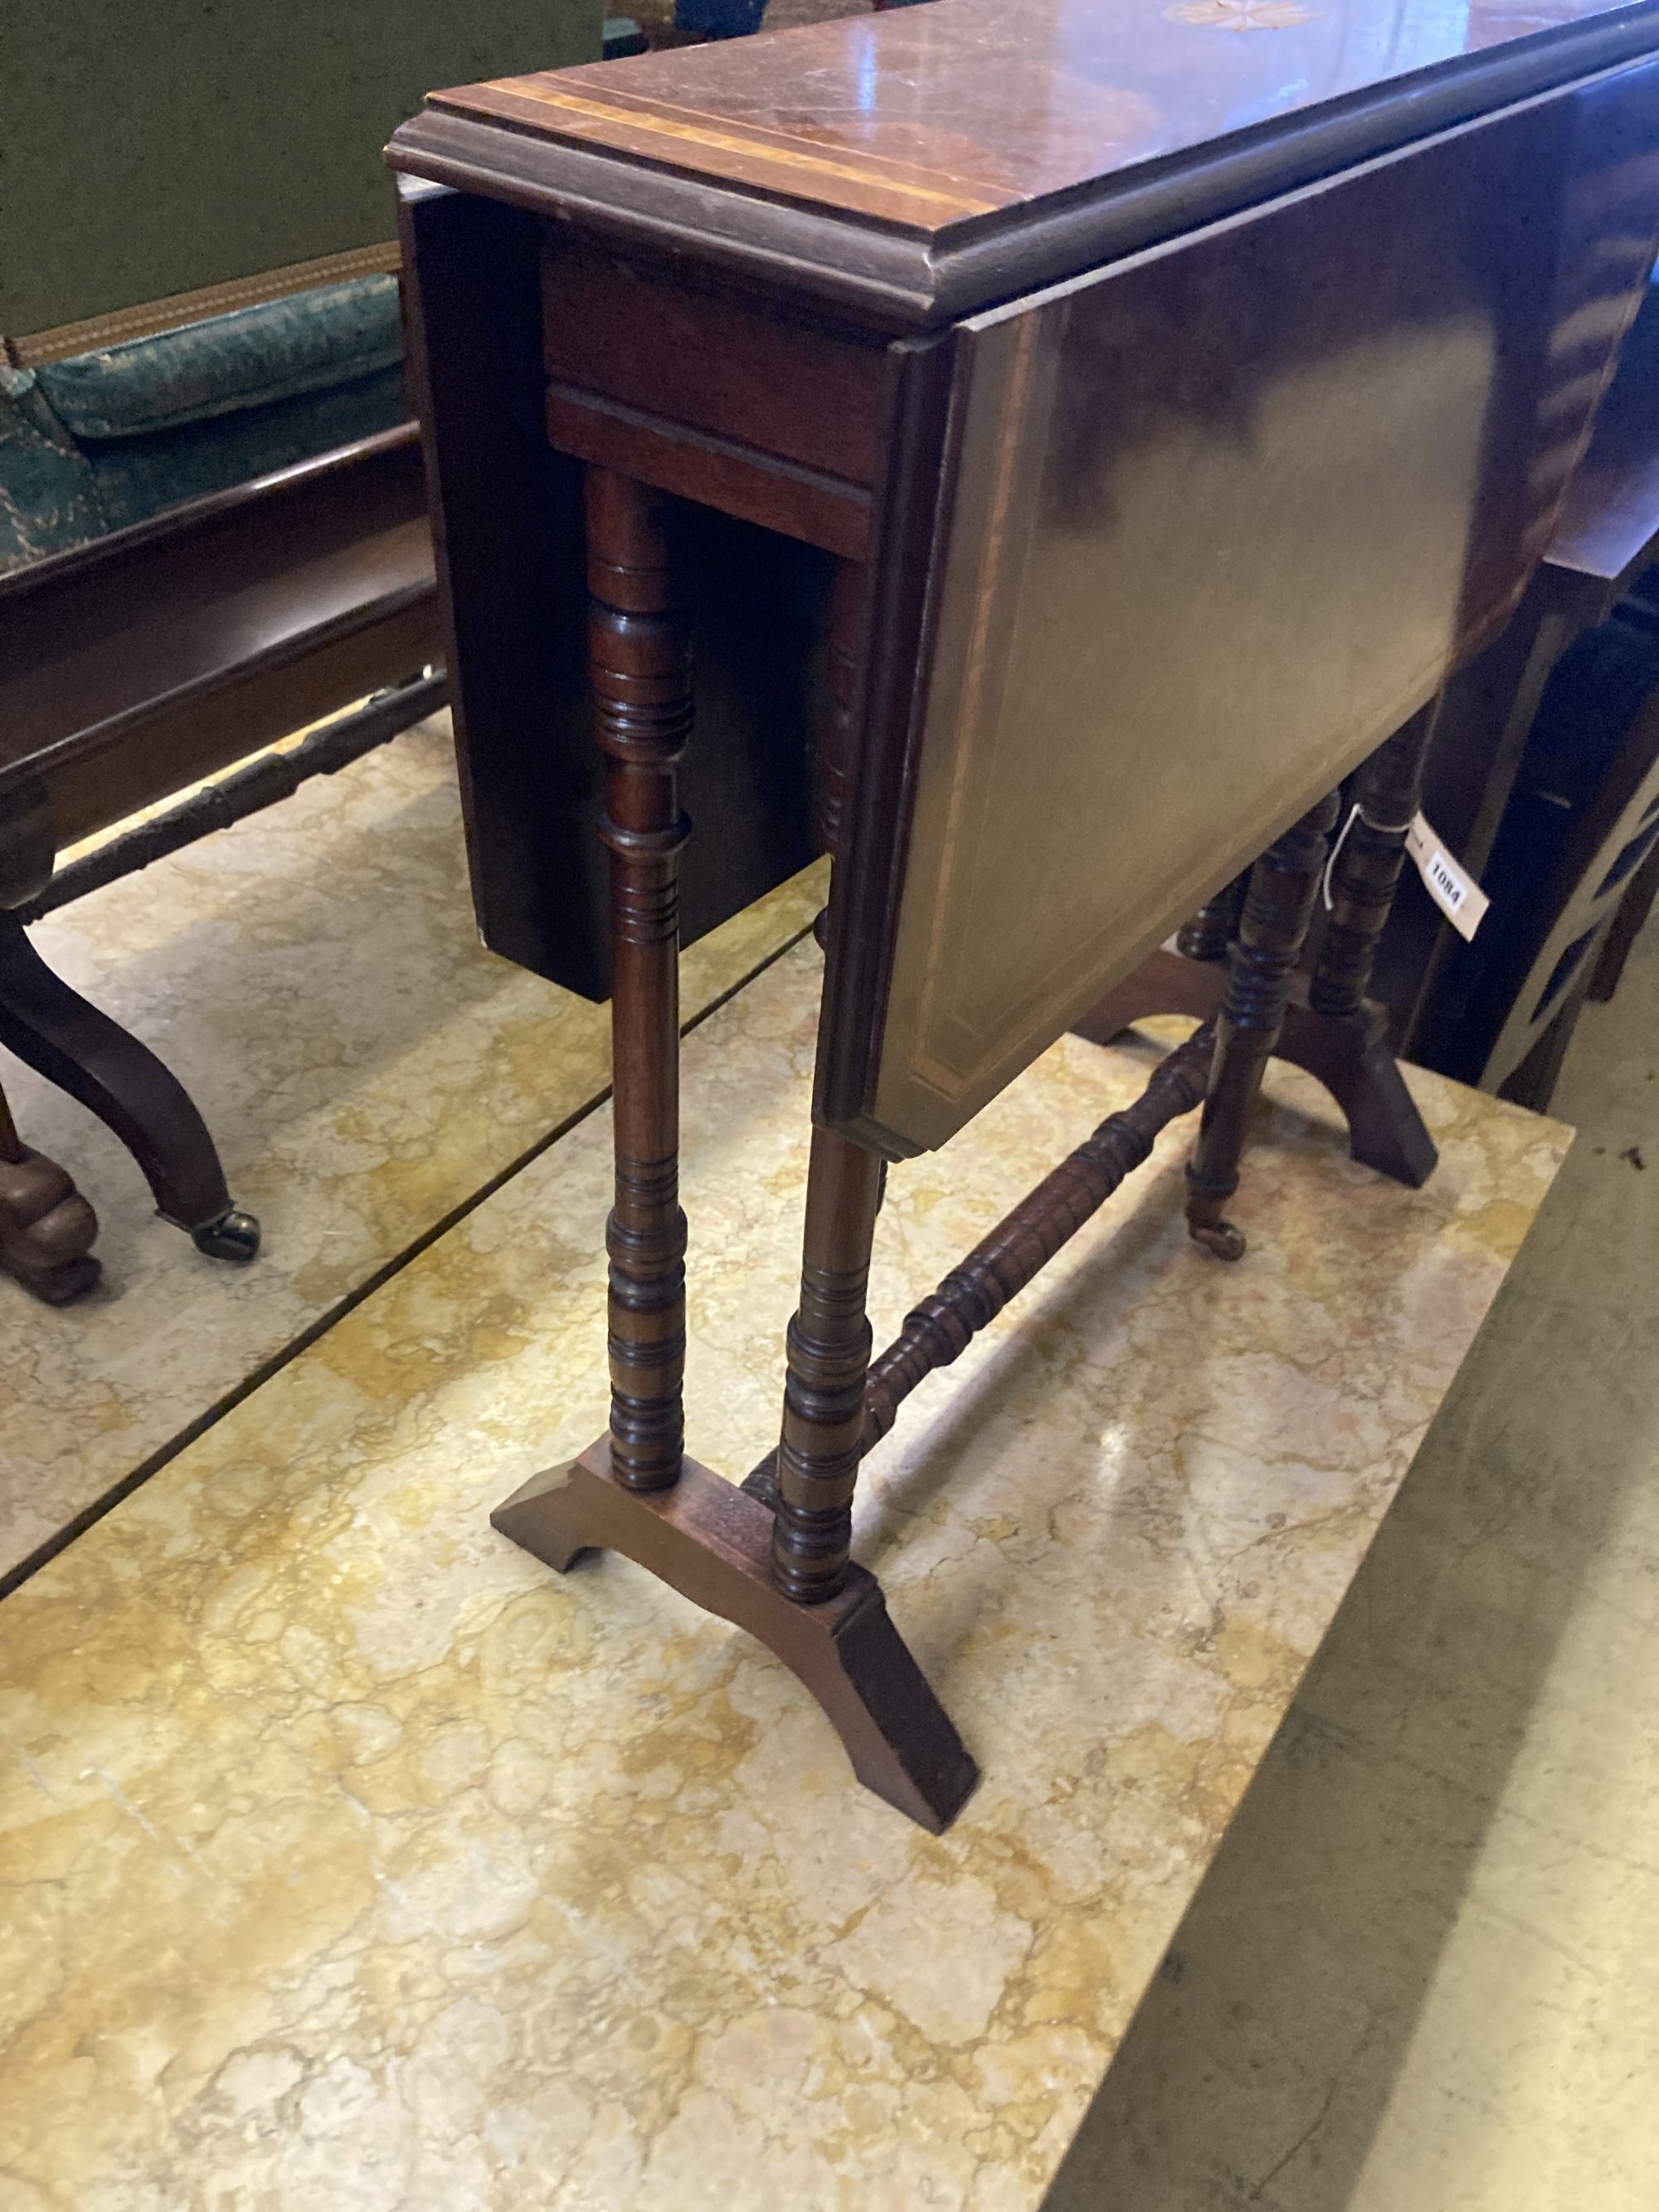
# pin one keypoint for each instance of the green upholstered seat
(251, 358)
(104, 439)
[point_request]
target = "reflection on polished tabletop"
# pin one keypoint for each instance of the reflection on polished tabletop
(931, 116)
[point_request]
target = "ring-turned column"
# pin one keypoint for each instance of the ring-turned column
(639, 644)
(1278, 907)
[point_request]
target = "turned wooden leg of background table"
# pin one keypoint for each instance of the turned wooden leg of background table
(1278, 907)
(1329, 1027)
(1209, 935)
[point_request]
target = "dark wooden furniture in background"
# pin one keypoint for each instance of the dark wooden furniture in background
(1518, 1018)
(1628, 922)
(143, 197)
(1166, 475)
(152, 657)
(1607, 533)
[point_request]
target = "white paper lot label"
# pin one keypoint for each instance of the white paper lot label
(1456, 894)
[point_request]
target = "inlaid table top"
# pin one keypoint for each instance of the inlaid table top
(952, 120)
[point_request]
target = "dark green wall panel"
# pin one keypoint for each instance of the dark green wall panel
(149, 147)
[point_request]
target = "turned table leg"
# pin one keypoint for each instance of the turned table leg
(640, 661)
(1278, 907)
(1212, 930)
(789, 1582)
(1386, 795)
(828, 1350)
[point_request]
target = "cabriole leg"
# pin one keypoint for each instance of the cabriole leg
(71, 1042)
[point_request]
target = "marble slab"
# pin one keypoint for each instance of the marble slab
(313, 976)
(354, 1861)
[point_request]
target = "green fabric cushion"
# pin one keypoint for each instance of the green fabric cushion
(47, 499)
(249, 358)
(94, 443)
(135, 478)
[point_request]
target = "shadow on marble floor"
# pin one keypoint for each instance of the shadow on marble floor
(1416, 1977)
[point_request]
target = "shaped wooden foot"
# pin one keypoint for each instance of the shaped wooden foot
(1349, 1054)
(46, 1227)
(713, 1544)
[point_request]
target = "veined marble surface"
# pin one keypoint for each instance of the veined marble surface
(314, 978)
(352, 1860)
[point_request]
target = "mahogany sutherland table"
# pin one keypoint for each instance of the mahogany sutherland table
(1127, 415)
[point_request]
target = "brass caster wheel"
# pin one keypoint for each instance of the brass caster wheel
(234, 1236)
(1219, 1237)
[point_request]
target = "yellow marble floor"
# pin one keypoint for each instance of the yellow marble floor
(314, 977)
(354, 1861)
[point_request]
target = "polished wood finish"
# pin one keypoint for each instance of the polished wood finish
(1189, 543)
(777, 494)
(827, 1356)
(972, 107)
(1278, 907)
(713, 399)
(913, 166)
(714, 1545)
(1365, 872)
(48, 1229)
(940, 1329)
(1199, 460)
(713, 361)
(149, 658)
(639, 650)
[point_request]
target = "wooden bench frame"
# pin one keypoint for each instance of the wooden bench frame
(133, 667)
